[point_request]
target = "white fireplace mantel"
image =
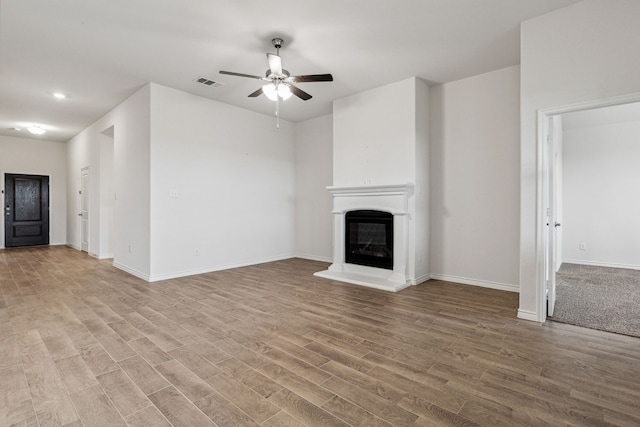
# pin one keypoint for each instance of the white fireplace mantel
(387, 198)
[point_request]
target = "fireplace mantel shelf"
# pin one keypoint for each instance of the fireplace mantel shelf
(353, 190)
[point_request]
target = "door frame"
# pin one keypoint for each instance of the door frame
(84, 214)
(543, 189)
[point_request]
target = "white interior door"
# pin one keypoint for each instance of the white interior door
(553, 201)
(557, 191)
(84, 209)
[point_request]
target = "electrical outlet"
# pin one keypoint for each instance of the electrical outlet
(583, 246)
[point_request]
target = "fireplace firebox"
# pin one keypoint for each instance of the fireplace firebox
(369, 238)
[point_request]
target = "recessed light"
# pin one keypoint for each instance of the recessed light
(59, 95)
(36, 130)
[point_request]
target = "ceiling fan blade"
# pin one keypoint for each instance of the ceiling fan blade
(299, 92)
(275, 64)
(311, 78)
(231, 73)
(256, 93)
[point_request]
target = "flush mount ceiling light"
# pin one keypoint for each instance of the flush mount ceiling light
(280, 82)
(59, 95)
(36, 130)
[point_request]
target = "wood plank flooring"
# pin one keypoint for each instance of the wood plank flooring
(84, 344)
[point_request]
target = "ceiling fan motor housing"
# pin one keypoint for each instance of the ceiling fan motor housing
(277, 42)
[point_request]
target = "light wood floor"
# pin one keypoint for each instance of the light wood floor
(84, 344)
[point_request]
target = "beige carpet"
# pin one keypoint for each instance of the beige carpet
(601, 298)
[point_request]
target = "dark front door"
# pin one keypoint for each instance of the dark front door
(26, 210)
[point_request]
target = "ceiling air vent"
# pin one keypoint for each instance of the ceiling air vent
(207, 82)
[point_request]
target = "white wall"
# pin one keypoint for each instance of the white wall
(374, 136)
(132, 183)
(119, 184)
(233, 175)
(82, 152)
(38, 157)
(475, 180)
(584, 52)
(600, 187)
(420, 237)
(314, 172)
(107, 194)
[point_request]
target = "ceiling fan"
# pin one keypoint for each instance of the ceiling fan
(279, 84)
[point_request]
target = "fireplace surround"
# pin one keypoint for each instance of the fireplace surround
(393, 202)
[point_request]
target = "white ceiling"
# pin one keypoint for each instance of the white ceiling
(99, 52)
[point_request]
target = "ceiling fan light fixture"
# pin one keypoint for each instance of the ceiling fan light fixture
(284, 92)
(270, 91)
(273, 92)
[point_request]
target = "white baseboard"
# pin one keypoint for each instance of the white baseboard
(92, 254)
(131, 271)
(603, 264)
(184, 273)
(528, 315)
(420, 279)
(315, 258)
(476, 282)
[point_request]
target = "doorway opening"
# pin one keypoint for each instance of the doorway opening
(582, 208)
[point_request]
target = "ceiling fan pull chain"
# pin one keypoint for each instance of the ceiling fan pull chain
(277, 111)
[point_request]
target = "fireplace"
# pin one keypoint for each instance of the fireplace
(369, 238)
